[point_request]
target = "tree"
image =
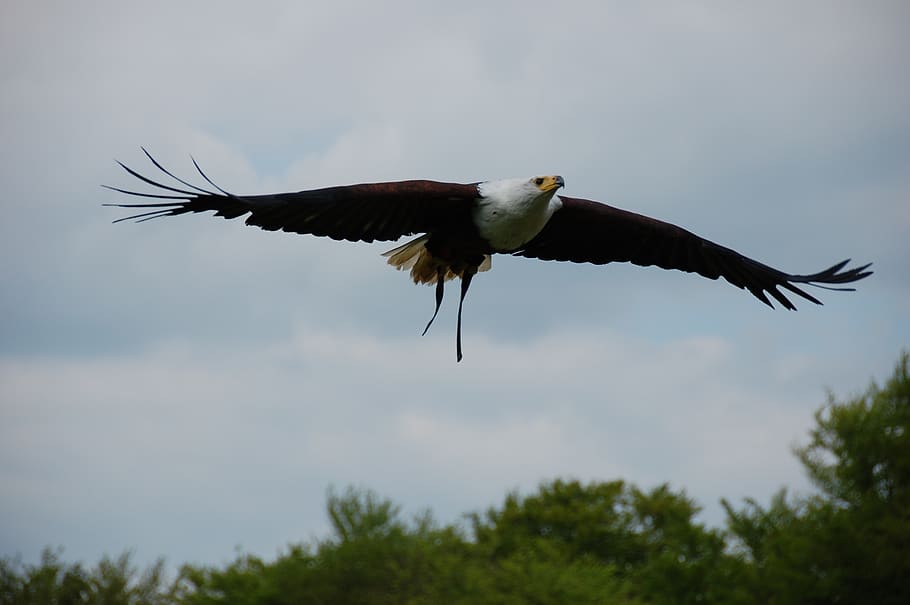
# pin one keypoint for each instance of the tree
(111, 582)
(649, 541)
(373, 557)
(848, 544)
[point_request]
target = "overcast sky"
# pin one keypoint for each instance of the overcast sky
(188, 385)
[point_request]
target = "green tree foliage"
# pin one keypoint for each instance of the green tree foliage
(373, 556)
(851, 543)
(111, 582)
(648, 540)
(602, 542)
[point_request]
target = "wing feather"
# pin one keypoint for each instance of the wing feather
(584, 231)
(365, 212)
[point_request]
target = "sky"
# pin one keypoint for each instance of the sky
(191, 386)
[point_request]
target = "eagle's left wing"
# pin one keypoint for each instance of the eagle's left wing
(584, 231)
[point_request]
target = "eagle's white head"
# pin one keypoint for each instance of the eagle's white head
(521, 191)
(512, 211)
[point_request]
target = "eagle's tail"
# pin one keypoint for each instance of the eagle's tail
(428, 269)
(424, 267)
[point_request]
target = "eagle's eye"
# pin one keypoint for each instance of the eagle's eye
(538, 181)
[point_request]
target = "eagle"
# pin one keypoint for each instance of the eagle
(459, 226)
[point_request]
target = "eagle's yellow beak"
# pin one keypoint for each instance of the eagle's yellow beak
(549, 183)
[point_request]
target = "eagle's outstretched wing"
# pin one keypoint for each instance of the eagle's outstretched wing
(365, 212)
(584, 231)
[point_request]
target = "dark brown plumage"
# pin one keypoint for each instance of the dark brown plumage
(583, 231)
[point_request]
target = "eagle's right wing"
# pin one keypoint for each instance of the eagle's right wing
(365, 212)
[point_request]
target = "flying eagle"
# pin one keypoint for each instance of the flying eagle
(459, 227)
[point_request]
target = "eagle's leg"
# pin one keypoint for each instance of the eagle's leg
(440, 283)
(466, 277)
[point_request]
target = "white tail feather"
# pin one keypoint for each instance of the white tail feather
(424, 266)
